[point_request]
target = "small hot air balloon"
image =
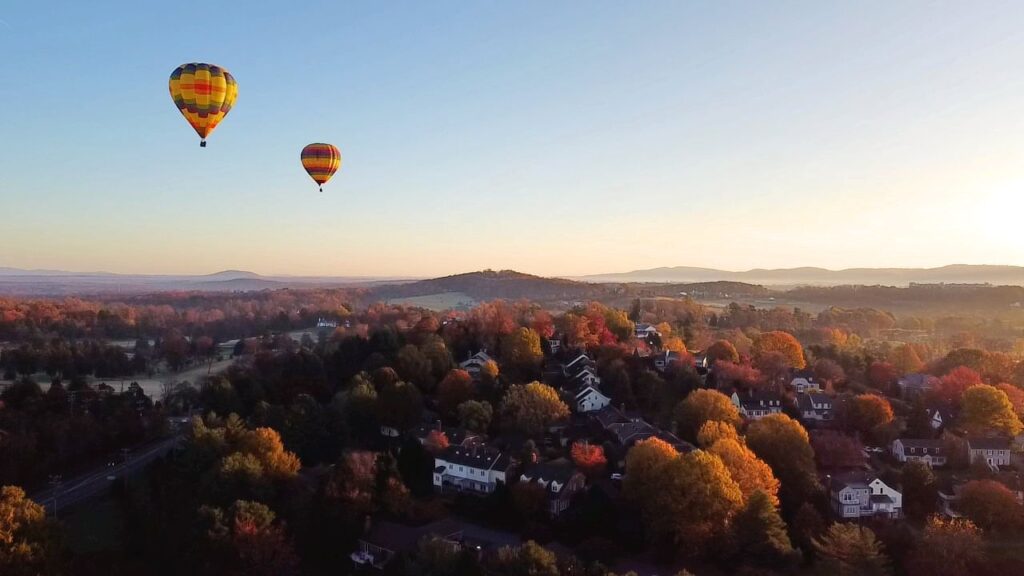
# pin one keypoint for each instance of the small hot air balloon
(204, 94)
(321, 161)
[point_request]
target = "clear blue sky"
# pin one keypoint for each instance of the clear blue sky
(549, 137)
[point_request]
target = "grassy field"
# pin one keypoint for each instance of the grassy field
(442, 301)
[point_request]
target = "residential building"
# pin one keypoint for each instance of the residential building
(587, 398)
(993, 451)
(475, 469)
(666, 359)
(931, 452)
(645, 331)
(804, 381)
(913, 385)
(863, 495)
(386, 540)
(560, 480)
(939, 418)
(456, 436)
(757, 404)
(815, 407)
(475, 363)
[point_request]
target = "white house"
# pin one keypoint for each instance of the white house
(475, 363)
(578, 363)
(475, 469)
(993, 451)
(939, 418)
(931, 452)
(588, 376)
(861, 495)
(803, 381)
(645, 331)
(755, 405)
(589, 399)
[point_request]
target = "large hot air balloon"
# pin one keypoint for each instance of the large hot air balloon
(321, 161)
(204, 94)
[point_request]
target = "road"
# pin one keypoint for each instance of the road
(97, 482)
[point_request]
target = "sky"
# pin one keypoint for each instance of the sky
(555, 138)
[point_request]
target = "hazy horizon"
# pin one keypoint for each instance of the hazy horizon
(562, 139)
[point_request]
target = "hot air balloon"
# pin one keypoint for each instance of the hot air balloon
(321, 161)
(204, 94)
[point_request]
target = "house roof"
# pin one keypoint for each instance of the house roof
(921, 443)
(560, 470)
(918, 380)
(807, 400)
(476, 456)
(806, 374)
(855, 479)
(609, 415)
(401, 538)
(988, 443)
(629, 432)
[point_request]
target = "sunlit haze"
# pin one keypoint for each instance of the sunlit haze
(556, 138)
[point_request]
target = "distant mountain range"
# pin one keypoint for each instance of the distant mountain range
(15, 281)
(953, 274)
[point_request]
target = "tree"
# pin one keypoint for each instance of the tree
(644, 462)
(722, 350)
(701, 406)
(530, 408)
(746, 469)
(249, 541)
(530, 559)
(28, 544)
(1015, 395)
(589, 458)
(990, 505)
(399, 405)
(783, 443)
(987, 409)
(882, 376)
(715, 430)
(948, 548)
(695, 502)
(851, 550)
(906, 359)
(456, 388)
(760, 532)
(866, 412)
(952, 386)
(836, 450)
(521, 349)
(783, 343)
(829, 371)
(413, 366)
(436, 441)
(475, 416)
(742, 376)
(919, 490)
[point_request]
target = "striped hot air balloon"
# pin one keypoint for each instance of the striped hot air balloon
(321, 161)
(204, 94)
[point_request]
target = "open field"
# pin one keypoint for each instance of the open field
(442, 301)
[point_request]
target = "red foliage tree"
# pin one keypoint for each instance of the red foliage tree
(952, 386)
(589, 458)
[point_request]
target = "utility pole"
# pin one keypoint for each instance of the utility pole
(55, 483)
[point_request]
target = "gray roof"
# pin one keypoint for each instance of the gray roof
(988, 443)
(481, 457)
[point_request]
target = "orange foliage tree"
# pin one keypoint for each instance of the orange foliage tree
(782, 342)
(589, 458)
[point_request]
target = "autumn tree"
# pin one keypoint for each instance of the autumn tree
(694, 502)
(399, 405)
(882, 376)
(784, 445)
(729, 375)
(475, 416)
(436, 441)
(530, 408)
(948, 548)
(829, 371)
(589, 458)
(866, 412)
(986, 409)
(702, 406)
(746, 469)
(456, 388)
(906, 359)
(1015, 395)
(521, 349)
(760, 533)
(990, 505)
(715, 430)
(530, 559)
(833, 450)
(952, 386)
(722, 351)
(851, 550)
(783, 343)
(644, 462)
(248, 541)
(28, 544)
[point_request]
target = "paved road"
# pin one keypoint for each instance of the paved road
(97, 482)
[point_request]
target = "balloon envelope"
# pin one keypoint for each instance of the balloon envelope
(204, 93)
(321, 161)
